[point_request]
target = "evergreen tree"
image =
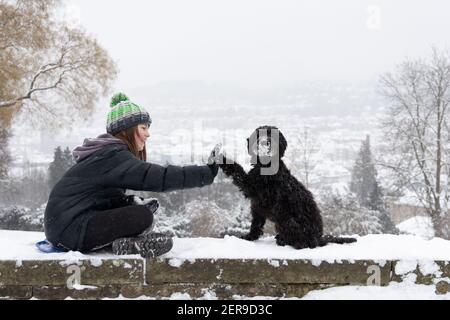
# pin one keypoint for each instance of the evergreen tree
(68, 158)
(364, 177)
(378, 205)
(343, 215)
(21, 218)
(365, 186)
(241, 223)
(62, 162)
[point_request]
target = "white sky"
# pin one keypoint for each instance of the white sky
(262, 42)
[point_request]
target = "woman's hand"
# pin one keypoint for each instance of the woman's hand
(216, 154)
(151, 203)
(215, 158)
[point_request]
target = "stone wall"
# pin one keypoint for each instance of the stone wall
(402, 212)
(222, 279)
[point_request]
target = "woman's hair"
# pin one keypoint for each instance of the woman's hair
(128, 136)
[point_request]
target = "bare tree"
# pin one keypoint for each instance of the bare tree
(46, 66)
(418, 132)
(306, 147)
(5, 157)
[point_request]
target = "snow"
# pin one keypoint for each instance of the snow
(410, 199)
(406, 290)
(429, 267)
(372, 247)
(80, 287)
(20, 246)
(180, 296)
(274, 263)
(405, 267)
(419, 226)
(176, 263)
(208, 295)
(97, 262)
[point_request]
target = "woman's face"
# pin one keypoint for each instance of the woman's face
(142, 135)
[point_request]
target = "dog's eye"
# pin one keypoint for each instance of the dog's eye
(264, 148)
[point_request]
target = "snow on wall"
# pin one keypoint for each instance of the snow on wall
(21, 246)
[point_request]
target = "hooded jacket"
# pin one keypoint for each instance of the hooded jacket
(91, 146)
(105, 169)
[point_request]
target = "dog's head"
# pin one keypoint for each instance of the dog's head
(265, 144)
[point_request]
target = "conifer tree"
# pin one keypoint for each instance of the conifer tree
(58, 167)
(365, 186)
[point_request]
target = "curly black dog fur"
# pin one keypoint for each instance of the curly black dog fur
(279, 197)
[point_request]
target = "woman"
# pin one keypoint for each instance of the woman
(88, 208)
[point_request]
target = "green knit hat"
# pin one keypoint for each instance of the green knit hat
(125, 115)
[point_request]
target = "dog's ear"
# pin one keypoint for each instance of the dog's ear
(251, 141)
(283, 145)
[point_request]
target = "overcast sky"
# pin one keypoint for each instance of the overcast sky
(259, 42)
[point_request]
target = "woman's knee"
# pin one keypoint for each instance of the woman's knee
(144, 215)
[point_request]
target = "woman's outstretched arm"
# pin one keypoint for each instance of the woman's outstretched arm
(131, 173)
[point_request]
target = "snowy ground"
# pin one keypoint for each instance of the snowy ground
(16, 245)
(418, 226)
(372, 247)
(395, 291)
(411, 249)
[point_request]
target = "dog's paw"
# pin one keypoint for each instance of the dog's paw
(280, 241)
(250, 237)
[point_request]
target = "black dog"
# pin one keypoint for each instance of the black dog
(277, 195)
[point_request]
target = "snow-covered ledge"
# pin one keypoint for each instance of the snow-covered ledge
(220, 268)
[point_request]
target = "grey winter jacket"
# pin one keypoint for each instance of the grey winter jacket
(99, 181)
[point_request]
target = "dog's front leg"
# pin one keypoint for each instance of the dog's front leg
(238, 174)
(280, 241)
(257, 228)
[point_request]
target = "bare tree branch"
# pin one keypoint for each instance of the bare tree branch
(419, 94)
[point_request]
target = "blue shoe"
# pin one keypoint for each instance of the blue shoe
(47, 247)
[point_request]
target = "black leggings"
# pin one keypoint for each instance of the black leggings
(103, 227)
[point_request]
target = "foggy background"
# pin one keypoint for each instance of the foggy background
(236, 65)
(261, 44)
(241, 64)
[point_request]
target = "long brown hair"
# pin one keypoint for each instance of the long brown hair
(128, 136)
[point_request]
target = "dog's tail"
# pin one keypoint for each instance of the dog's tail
(330, 239)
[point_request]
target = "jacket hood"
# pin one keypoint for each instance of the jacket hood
(91, 146)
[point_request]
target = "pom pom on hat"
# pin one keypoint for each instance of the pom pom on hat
(118, 98)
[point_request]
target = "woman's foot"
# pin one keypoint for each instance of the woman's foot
(147, 245)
